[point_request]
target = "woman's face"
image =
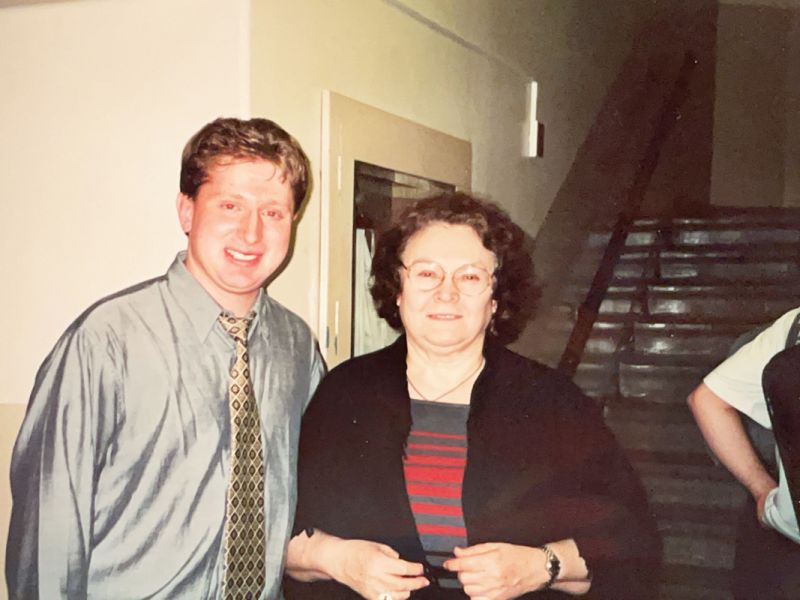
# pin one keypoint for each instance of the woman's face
(444, 319)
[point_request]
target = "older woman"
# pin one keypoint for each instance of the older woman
(446, 466)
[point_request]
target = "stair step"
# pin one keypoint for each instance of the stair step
(596, 376)
(632, 269)
(772, 252)
(620, 304)
(719, 495)
(727, 217)
(711, 515)
(658, 437)
(636, 410)
(743, 252)
(693, 590)
(713, 234)
(722, 302)
(607, 337)
(759, 271)
(693, 582)
(714, 272)
(682, 291)
(670, 457)
(702, 552)
(709, 342)
(660, 379)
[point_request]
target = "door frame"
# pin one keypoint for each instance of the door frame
(353, 131)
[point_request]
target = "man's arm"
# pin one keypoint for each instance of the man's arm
(724, 433)
(53, 474)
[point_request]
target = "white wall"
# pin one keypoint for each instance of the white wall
(98, 99)
(374, 53)
(105, 92)
(458, 66)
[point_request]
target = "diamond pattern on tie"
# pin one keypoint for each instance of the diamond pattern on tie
(245, 540)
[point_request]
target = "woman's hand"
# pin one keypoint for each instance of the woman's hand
(369, 568)
(497, 571)
(372, 569)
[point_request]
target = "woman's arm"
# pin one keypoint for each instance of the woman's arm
(368, 568)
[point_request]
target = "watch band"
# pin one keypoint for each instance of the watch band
(553, 565)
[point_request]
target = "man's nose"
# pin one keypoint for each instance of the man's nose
(252, 227)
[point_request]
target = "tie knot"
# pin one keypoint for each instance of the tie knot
(236, 326)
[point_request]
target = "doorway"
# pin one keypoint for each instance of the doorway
(409, 157)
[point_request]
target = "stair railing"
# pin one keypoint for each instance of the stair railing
(588, 311)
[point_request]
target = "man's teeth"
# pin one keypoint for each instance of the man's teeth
(241, 256)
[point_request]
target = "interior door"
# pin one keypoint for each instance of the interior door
(352, 131)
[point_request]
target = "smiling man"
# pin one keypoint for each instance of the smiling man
(157, 457)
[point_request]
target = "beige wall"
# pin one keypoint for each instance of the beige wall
(755, 115)
(100, 95)
(10, 418)
(372, 52)
(791, 172)
(98, 99)
(456, 66)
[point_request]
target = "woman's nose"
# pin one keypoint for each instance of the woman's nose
(447, 290)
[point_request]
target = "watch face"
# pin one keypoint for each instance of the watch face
(553, 565)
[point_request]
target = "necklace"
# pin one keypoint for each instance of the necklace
(451, 390)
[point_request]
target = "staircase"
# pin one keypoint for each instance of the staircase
(683, 290)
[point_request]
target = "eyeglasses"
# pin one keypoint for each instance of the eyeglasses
(470, 280)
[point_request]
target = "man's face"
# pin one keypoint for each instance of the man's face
(239, 227)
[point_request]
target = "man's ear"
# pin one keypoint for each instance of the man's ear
(185, 206)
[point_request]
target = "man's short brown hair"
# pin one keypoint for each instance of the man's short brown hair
(237, 139)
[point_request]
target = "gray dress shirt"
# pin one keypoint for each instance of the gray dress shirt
(120, 469)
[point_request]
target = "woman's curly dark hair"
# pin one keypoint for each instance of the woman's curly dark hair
(514, 288)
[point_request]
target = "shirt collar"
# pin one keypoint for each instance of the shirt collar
(200, 308)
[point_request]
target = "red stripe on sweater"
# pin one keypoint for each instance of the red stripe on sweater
(434, 491)
(426, 508)
(458, 449)
(432, 474)
(444, 436)
(442, 461)
(442, 530)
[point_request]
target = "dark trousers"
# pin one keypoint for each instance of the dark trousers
(767, 565)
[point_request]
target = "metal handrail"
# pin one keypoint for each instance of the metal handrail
(588, 311)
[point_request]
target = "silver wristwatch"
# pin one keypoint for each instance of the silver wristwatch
(553, 565)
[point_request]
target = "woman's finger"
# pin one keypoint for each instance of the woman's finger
(387, 550)
(476, 549)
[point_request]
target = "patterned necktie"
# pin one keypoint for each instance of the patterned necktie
(244, 527)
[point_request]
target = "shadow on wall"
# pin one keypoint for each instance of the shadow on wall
(756, 120)
(596, 186)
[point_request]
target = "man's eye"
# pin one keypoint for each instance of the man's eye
(426, 274)
(277, 215)
(470, 277)
(228, 206)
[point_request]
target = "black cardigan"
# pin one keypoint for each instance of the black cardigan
(541, 467)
